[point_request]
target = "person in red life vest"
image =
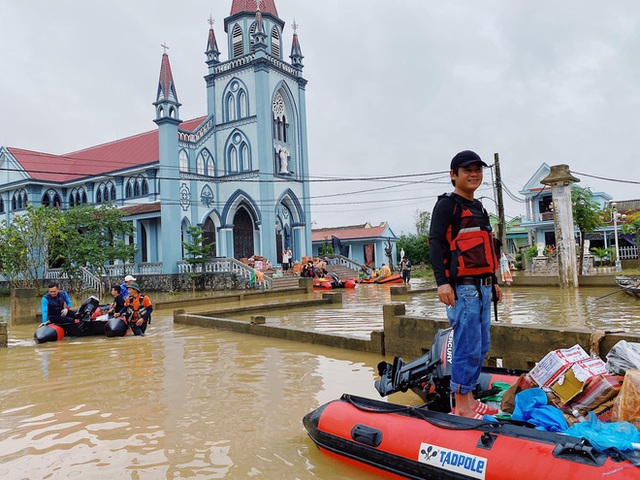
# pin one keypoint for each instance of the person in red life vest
(56, 306)
(137, 310)
(464, 258)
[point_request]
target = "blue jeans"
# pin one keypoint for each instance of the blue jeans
(470, 320)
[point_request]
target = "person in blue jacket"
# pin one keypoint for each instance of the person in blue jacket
(56, 306)
(124, 288)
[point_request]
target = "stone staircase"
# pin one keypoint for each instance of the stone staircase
(291, 281)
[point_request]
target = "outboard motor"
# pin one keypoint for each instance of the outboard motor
(87, 309)
(429, 376)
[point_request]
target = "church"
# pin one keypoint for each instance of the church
(240, 172)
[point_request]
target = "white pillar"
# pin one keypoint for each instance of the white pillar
(560, 180)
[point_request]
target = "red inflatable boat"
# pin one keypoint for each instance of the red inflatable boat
(413, 442)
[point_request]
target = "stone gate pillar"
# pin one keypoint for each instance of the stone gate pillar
(560, 180)
(24, 306)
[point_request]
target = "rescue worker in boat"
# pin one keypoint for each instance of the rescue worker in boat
(385, 271)
(56, 306)
(137, 310)
(118, 302)
(464, 258)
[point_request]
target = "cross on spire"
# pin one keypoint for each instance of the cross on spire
(294, 26)
(211, 20)
(165, 46)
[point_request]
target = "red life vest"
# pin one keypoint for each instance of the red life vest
(472, 243)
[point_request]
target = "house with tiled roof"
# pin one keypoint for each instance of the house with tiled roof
(240, 171)
(538, 221)
(364, 244)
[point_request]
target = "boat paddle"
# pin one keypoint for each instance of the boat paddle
(612, 293)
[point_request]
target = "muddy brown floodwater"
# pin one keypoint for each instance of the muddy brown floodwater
(188, 402)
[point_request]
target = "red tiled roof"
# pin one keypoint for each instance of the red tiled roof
(268, 6)
(354, 233)
(141, 149)
(142, 208)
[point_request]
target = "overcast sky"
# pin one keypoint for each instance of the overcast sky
(395, 88)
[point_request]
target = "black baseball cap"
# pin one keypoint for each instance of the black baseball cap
(465, 158)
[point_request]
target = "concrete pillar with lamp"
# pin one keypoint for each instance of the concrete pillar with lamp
(560, 180)
(615, 216)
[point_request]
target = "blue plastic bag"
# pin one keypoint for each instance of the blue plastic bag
(603, 435)
(531, 406)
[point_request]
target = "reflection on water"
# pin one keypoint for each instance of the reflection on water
(187, 402)
(361, 310)
(181, 402)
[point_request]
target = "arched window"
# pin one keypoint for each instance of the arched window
(211, 168)
(19, 200)
(244, 157)
(236, 41)
(99, 195)
(112, 191)
(106, 192)
(1, 205)
(145, 187)
(52, 199)
(128, 191)
(252, 40)
(200, 165)
(136, 188)
(242, 104)
(184, 161)
(231, 108)
(279, 119)
(275, 42)
(233, 159)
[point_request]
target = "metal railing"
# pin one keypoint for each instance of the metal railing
(346, 262)
(119, 270)
(227, 265)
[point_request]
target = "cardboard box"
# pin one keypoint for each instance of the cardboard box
(555, 363)
(570, 383)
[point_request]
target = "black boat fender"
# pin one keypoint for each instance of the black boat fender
(116, 327)
(48, 332)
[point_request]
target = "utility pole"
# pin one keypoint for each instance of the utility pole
(502, 226)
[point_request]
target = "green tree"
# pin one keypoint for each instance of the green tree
(423, 221)
(587, 216)
(197, 253)
(602, 253)
(25, 245)
(416, 248)
(93, 236)
(327, 249)
(631, 224)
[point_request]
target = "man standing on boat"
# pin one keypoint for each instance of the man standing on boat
(464, 260)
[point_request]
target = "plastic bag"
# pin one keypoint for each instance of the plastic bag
(627, 404)
(623, 356)
(604, 435)
(531, 406)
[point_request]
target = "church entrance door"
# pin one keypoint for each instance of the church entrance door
(242, 234)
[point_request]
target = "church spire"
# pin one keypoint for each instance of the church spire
(166, 103)
(296, 52)
(259, 37)
(212, 53)
(239, 6)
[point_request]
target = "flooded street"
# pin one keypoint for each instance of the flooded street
(189, 402)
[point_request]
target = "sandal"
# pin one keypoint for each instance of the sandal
(484, 409)
(476, 416)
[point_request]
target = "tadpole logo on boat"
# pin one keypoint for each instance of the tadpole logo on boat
(453, 461)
